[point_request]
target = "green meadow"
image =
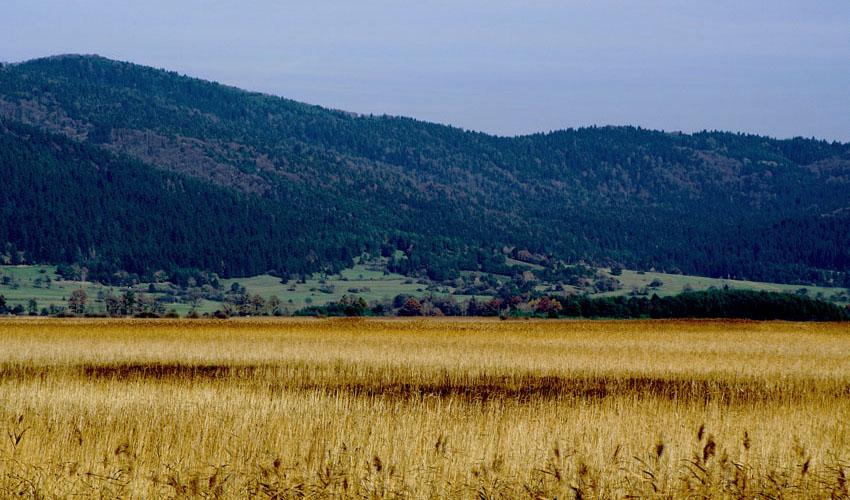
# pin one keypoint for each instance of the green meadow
(21, 284)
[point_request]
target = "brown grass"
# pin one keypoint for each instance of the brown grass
(423, 409)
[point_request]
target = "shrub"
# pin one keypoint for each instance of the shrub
(146, 314)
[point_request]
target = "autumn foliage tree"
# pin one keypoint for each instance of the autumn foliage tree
(411, 308)
(77, 301)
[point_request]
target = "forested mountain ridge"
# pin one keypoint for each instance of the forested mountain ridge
(66, 201)
(717, 204)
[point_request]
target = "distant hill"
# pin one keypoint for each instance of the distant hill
(337, 184)
(66, 201)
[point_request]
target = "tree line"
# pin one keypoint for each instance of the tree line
(720, 304)
(716, 304)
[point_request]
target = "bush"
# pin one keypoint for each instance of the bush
(411, 308)
(146, 314)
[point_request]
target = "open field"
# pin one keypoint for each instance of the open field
(367, 281)
(423, 409)
(676, 283)
(31, 282)
(28, 282)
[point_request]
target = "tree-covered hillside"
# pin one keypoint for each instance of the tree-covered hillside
(712, 203)
(65, 201)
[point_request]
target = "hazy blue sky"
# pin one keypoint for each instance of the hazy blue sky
(780, 67)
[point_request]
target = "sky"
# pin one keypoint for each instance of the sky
(778, 68)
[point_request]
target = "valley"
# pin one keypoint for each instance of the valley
(370, 281)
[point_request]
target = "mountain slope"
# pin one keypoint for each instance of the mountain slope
(65, 201)
(712, 203)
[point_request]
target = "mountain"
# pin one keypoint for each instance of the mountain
(339, 183)
(67, 201)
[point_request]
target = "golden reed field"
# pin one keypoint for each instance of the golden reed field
(423, 409)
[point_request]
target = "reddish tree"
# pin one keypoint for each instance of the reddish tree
(77, 302)
(411, 308)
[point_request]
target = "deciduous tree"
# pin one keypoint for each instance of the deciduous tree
(77, 301)
(411, 308)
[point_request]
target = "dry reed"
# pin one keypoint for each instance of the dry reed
(423, 409)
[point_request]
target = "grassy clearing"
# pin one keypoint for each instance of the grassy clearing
(676, 283)
(26, 282)
(369, 281)
(423, 409)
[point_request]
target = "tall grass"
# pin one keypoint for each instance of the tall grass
(436, 409)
